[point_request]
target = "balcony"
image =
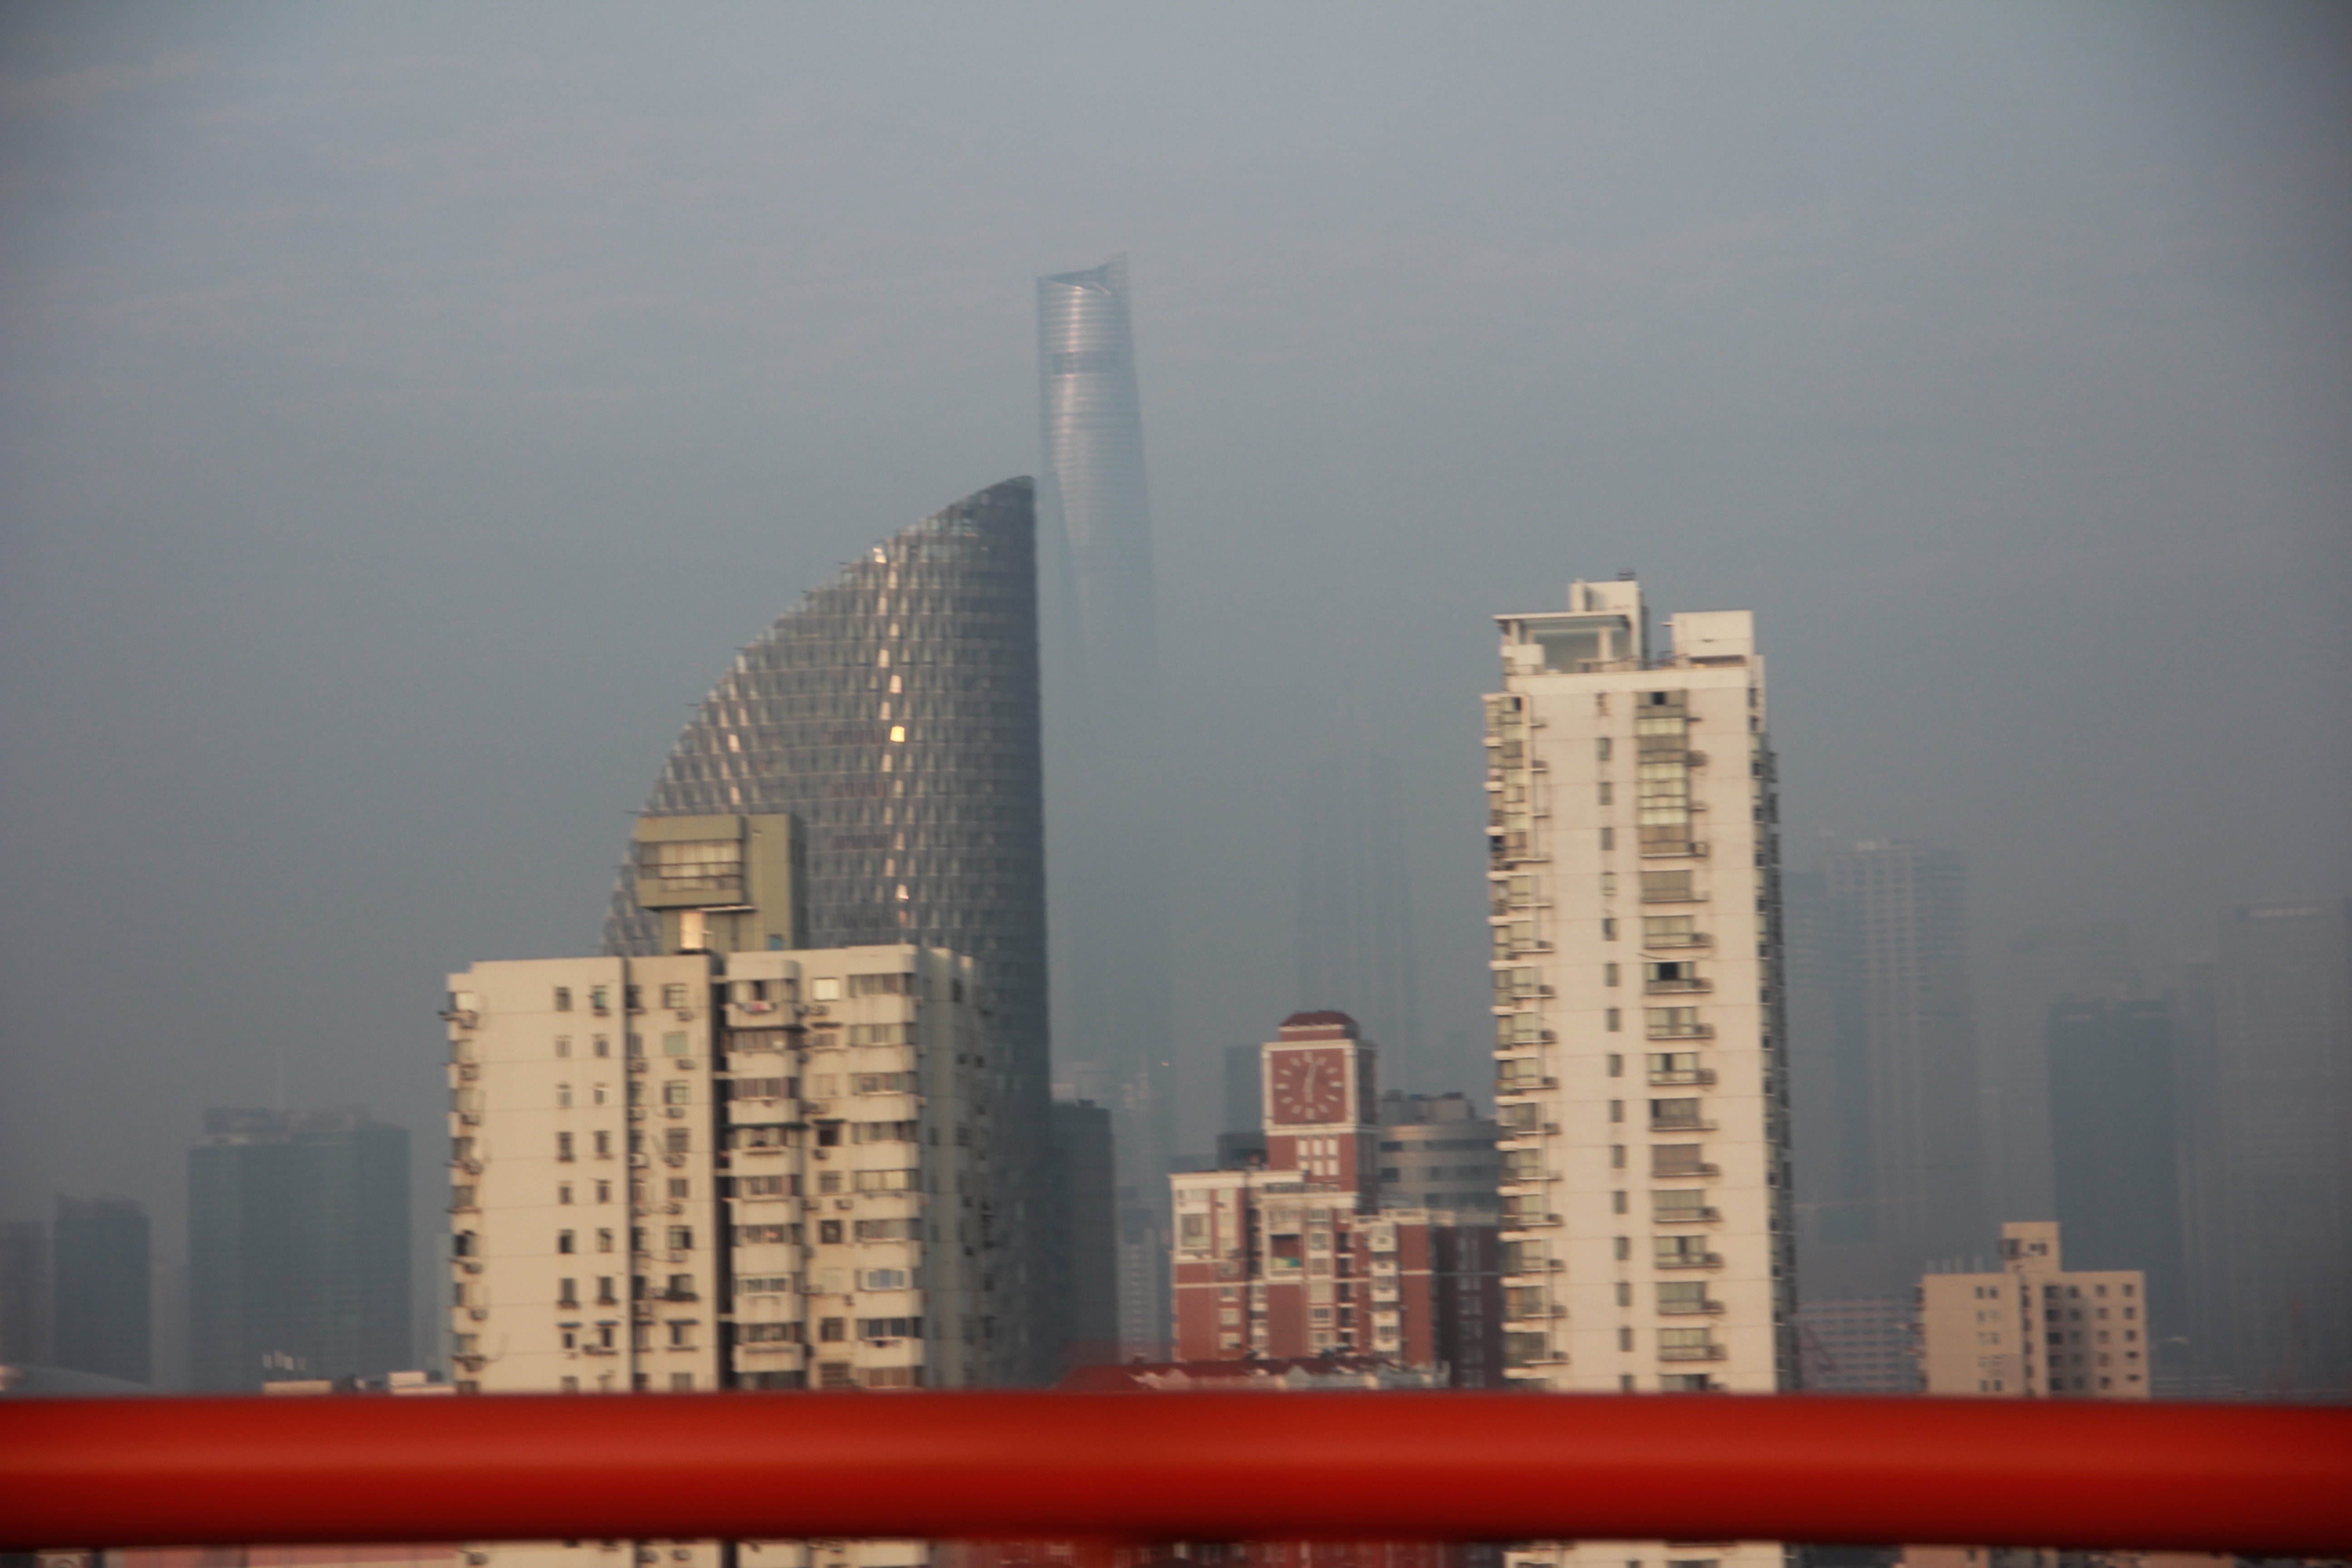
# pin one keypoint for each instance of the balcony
(1692, 1260)
(1673, 848)
(1681, 1032)
(1690, 1353)
(1701, 1077)
(1683, 1173)
(1685, 1216)
(1678, 939)
(1688, 1308)
(1660, 987)
(1682, 1126)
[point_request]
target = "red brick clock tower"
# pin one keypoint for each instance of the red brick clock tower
(1321, 1104)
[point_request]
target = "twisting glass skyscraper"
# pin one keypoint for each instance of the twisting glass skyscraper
(1103, 688)
(893, 711)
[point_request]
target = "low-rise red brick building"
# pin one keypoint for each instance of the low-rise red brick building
(1294, 1256)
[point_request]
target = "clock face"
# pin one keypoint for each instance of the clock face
(1310, 1087)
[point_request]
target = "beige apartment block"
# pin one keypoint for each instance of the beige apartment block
(706, 1171)
(2037, 1329)
(1641, 1076)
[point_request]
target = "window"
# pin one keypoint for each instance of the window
(825, 989)
(563, 1097)
(1616, 1066)
(1616, 1111)
(1667, 888)
(764, 1135)
(1608, 930)
(563, 998)
(1605, 798)
(1675, 1066)
(674, 997)
(681, 1382)
(882, 985)
(562, 1192)
(681, 1239)
(567, 1294)
(564, 1241)
(771, 1334)
(603, 1046)
(765, 1187)
(767, 1235)
(882, 1082)
(1679, 1160)
(1613, 1020)
(681, 1334)
(1682, 1252)
(564, 1146)
(1608, 839)
(1670, 931)
(1673, 1023)
(677, 1141)
(1679, 975)
(562, 1045)
(1683, 1296)
(1608, 974)
(600, 1000)
(1687, 1382)
(887, 1182)
(889, 1230)
(828, 1232)
(677, 1092)
(674, 1043)
(832, 1330)
(603, 1241)
(1601, 749)
(604, 1145)
(1670, 1115)
(1680, 1205)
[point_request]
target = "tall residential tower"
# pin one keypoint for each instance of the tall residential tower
(1642, 1082)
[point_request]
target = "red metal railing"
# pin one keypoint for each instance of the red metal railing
(2273, 1480)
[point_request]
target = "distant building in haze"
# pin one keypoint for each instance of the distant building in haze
(1859, 1344)
(1296, 1255)
(1438, 1152)
(2036, 1329)
(2115, 1145)
(26, 1338)
(2088, 962)
(2275, 1247)
(1908, 1150)
(104, 1278)
(1088, 1195)
(1112, 994)
(298, 1248)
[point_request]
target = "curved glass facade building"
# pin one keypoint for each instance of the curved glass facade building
(893, 712)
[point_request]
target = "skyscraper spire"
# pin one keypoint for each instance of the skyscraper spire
(1102, 686)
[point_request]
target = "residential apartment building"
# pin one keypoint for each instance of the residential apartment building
(1642, 1078)
(1293, 1253)
(705, 1170)
(2036, 1330)
(298, 1248)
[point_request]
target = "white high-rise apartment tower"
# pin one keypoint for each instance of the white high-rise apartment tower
(1641, 1078)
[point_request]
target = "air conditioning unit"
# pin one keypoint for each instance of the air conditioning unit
(471, 1266)
(677, 1255)
(815, 1107)
(479, 1314)
(471, 1167)
(673, 1159)
(638, 1159)
(639, 1064)
(674, 1111)
(685, 1014)
(845, 1203)
(673, 1208)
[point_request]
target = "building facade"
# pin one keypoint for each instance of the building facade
(893, 716)
(104, 1314)
(1294, 1253)
(1438, 1152)
(703, 1170)
(1641, 1052)
(2036, 1330)
(298, 1248)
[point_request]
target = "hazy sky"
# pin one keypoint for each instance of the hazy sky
(408, 408)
